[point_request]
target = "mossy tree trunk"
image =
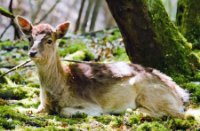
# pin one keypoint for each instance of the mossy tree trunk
(188, 20)
(150, 38)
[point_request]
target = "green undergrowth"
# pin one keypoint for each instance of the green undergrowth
(19, 90)
(194, 89)
(10, 118)
(101, 46)
(188, 21)
(175, 48)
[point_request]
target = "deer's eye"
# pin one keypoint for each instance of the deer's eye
(49, 41)
(30, 39)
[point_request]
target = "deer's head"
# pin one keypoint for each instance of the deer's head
(42, 39)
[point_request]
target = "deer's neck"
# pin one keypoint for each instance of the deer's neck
(51, 75)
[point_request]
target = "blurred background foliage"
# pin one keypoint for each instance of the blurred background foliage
(85, 15)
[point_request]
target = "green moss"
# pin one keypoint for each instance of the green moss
(10, 45)
(188, 21)
(120, 54)
(70, 121)
(72, 48)
(197, 76)
(180, 78)
(106, 119)
(117, 122)
(195, 59)
(175, 48)
(47, 128)
(17, 92)
(194, 89)
(8, 92)
(78, 51)
(2, 79)
(17, 78)
(114, 35)
(133, 119)
(3, 102)
(11, 118)
(154, 126)
(13, 52)
(180, 124)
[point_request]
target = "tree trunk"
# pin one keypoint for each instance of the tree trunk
(95, 12)
(150, 38)
(36, 12)
(79, 16)
(87, 15)
(188, 20)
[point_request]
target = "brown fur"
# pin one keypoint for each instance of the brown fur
(42, 29)
(95, 77)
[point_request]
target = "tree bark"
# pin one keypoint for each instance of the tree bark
(79, 16)
(87, 15)
(188, 20)
(95, 12)
(17, 33)
(48, 12)
(150, 38)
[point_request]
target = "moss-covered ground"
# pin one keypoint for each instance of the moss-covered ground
(19, 90)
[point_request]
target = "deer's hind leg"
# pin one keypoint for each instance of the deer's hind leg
(156, 100)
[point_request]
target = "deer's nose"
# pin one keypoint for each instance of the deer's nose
(32, 53)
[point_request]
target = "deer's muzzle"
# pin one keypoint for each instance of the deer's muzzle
(32, 53)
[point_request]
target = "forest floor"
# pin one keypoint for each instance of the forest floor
(19, 90)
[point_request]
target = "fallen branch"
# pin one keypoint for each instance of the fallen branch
(76, 61)
(26, 62)
(15, 68)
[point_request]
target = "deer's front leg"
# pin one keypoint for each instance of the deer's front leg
(42, 107)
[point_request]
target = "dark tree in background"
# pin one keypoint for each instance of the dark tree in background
(150, 38)
(188, 20)
(9, 14)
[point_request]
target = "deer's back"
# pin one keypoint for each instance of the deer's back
(95, 77)
(87, 74)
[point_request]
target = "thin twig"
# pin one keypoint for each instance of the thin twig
(5, 30)
(10, 6)
(26, 62)
(15, 68)
(50, 10)
(11, 66)
(76, 61)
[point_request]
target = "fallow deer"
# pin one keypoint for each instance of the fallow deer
(94, 88)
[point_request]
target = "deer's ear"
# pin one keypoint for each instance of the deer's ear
(61, 29)
(24, 25)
